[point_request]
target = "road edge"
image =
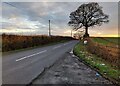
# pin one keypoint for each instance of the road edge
(95, 69)
(45, 69)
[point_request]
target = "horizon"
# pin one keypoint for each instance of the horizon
(31, 18)
(47, 35)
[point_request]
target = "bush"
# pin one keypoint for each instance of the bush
(14, 42)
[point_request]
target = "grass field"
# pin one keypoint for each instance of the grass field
(104, 58)
(107, 40)
(112, 39)
(107, 48)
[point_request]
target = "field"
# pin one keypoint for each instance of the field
(106, 48)
(101, 54)
(15, 42)
(107, 40)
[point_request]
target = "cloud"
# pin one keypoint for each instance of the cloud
(35, 15)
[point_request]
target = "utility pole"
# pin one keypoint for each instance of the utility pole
(49, 29)
(71, 33)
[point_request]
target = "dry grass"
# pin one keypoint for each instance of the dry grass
(103, 65)
(110, 54)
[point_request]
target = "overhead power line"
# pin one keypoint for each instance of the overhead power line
(10, 4)
(22, 10)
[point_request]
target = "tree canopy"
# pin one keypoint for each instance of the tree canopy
(88, 15)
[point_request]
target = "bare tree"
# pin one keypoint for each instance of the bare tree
(87, 15)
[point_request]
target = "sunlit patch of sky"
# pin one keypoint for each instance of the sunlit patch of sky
(32, 18)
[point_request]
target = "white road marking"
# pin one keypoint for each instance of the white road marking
(31, 55)
(57, 47)
(67, 43)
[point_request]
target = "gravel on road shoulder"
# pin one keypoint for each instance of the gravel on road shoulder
(69, 70)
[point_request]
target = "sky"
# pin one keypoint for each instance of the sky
(31, 18)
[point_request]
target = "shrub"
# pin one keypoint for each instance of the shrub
(14, 42)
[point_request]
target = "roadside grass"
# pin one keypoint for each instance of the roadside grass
(103, 67)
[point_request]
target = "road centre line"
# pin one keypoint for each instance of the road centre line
(67, 43)
(31, 55)
(38, 53)
(56, 47)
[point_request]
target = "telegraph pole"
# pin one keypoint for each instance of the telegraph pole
(71, 33)
(49, 29)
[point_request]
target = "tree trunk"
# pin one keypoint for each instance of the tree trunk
(86, 32)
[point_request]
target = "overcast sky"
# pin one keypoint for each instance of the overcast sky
(32, 18)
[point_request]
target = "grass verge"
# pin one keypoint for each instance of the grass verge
(104, 68)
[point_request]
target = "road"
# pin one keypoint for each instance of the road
(71, 70)
(22, 67)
